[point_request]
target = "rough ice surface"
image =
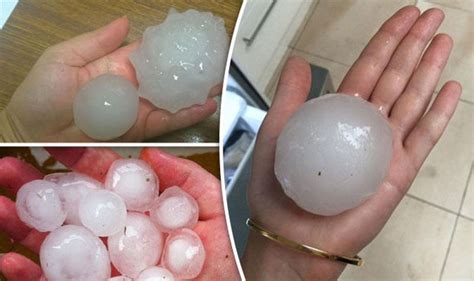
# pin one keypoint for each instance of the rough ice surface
(72, 188)
(73, 253)
(106, 107)
(137, 247)
(181, 59)
(103, 212)
(155, 273)
(174, 209)
(135, 181)
(333, 154)
(39, 206)
(184, 254)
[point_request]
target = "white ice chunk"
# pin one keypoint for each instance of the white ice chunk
(106, 107)
(333, 154)
(174, 209)
(180, 60)
(135, 181)
(39, 206)
(137, 247)
(184, 254)
(155, 273)
(73, 253)
(103, 212)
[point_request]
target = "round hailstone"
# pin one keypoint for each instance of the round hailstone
(39, 206)
(184, 254)
(180, 60)
(333, 154)
(155, 273)
(174, 209)
(72, 188)
(103, 212)
(106, 107)
(137, 247)
(135, 181)
(73, 253)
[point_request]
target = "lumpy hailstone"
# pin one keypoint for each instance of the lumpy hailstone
(184, 254)
(106, 107)
(174, 209)
(333, 154)
(73, 253)
(135, 181)
(39, 206)
(180, 60)
(155, 273)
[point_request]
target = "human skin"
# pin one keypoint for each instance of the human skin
(393, 74)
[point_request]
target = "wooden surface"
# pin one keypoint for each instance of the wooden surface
(38, 24)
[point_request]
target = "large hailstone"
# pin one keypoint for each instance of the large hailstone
(180, 60)
(106, 107)
(333, 154)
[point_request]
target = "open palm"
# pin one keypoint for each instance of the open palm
(41, 107)
(399, 79)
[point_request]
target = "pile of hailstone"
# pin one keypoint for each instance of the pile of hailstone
(148, 236)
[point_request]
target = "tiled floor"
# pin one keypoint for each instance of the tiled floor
(430, 236)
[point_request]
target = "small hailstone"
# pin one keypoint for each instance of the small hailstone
(39, 206)
(184, 254)
(72, 188)
(120, 278)
(72, 252)
(137, 247)
(103, 212)
(155, 273)
(181, 59)
(333, 154)
(135, 181)
(174, 209)
(106, 107)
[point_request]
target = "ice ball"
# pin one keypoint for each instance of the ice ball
(181, 59)
(137, 247)
(184, 254)
(135, 181)
(39, 206)
(155, 273)
(72, 252)
(106, 107)
(174, 209)
(333, 153)
(72, 188)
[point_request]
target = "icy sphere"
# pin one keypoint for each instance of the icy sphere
(73, 253)
(184, 254)
(333, 154)
(155, 273)
(39, 206)
(180, 60)
(136, 248)
(106, 107)
(135, 181)
(72, 188)
(174, 209)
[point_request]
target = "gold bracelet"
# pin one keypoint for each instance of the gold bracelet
(356, 260)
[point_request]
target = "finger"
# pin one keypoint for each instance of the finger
(14, 173)
(427, 132)
(90, 46)
(215, 91)
(92, 161)
(16, 267)
(9, 220)
(34, 239)
(412, 104)
(403, 62)
(197, 182)
(365, 72)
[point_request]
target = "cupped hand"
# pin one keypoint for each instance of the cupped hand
(171, 170)
(399, 79)
(41, 107)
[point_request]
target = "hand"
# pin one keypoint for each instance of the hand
(388, 75)
(171, 170)
(41, 107)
